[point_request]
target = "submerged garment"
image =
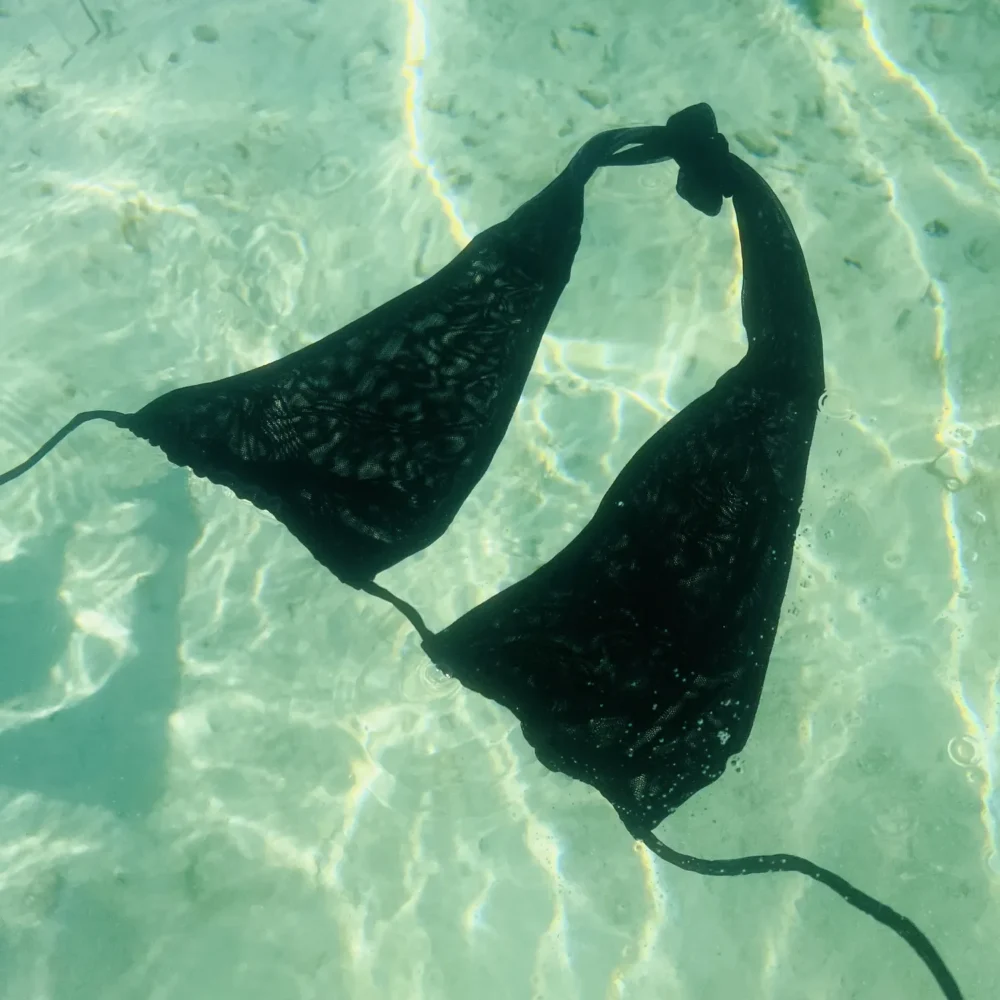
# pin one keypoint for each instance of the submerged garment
(366, 443)
(635, 658)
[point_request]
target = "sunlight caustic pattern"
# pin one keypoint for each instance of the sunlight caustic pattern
(416, 53)
(896, 72)
(950, 438)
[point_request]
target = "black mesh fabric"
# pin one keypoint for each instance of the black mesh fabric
(635, 658)
(366, 443)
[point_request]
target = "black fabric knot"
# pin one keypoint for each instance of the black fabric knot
(701, 152)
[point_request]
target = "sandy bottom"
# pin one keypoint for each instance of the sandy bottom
(223, 774)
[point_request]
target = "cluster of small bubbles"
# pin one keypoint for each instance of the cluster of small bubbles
(893, 559)
(960, 435)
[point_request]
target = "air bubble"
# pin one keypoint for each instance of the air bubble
(330, 173)
(964, 751)
(835, 405)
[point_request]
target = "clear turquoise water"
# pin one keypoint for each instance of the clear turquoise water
(222, 774)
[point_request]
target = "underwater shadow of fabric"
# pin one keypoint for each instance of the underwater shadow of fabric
(110, 750)
(34, 624)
